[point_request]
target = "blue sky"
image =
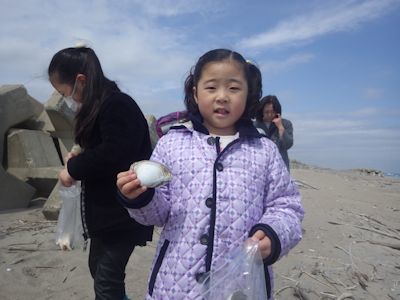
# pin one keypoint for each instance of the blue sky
(334, 64)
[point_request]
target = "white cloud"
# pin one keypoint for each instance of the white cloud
(373, 93)
(134, 50)
(277, 66)
(345, 16)
(170, 8)
(367, 112)
(349, 141)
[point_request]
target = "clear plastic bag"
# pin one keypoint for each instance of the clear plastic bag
(69, 232)
(240, 278)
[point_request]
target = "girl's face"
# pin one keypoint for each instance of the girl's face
(67, 90)
(221, 95)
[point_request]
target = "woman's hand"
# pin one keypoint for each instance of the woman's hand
(278, 123)
(129, 185)
(264, 243)
(68, 156)
(65, 179)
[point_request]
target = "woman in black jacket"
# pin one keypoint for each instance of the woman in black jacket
(113, 133)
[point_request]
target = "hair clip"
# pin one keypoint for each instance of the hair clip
(81, 44)
(249, 61)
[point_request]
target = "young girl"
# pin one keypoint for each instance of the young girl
(113, 132)
(229, 183)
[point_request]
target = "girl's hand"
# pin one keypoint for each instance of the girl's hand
(264, 243)
(65, 179)
(129, 185)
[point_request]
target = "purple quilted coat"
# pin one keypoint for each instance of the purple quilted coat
(215, 201)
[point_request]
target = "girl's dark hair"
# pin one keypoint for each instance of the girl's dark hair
(270, 99)
(67, 64)
(251, 71)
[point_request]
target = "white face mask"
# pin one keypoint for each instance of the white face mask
(71, 103)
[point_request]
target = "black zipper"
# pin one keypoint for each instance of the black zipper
(211, 231)
(83, 218)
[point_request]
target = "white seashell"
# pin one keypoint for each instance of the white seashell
(150, 173)
(76, 149)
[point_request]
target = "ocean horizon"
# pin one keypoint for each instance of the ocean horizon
(392, 175)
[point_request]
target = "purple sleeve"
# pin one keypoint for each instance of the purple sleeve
(284, 211)
(156, 211)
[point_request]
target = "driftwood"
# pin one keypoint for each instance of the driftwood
(397, 237)
(385, 244)
(304, 184)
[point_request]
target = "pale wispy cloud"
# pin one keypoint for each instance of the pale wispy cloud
(345, 143)
(277, 66)
(373, 93)
(170, 8)
(343, 16)
(134, 50)
(367, 112)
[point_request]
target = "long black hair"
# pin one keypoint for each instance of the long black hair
(67, 64)
(251, 71)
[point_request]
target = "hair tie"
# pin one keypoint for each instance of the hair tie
(81, 44)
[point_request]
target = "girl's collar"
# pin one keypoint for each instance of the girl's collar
(244, 127)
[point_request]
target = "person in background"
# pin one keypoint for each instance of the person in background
(279, 130)
(113, 133)
(229, 183)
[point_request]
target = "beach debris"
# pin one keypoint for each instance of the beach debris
(303, 184)
(151, 173)
(377, 231)
(345, 296)
(385, 244)
(372, 172)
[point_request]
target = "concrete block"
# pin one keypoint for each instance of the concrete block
(41, 122)
(52, 206)
(33, 158)
(151, 122)
(14, 193)
(42, 179)
(31, 149)
(15, 107)
(62, 118)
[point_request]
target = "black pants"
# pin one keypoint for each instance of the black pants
(107, 261)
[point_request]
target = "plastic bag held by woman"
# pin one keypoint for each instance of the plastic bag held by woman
(69, 233)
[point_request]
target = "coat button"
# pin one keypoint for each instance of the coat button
(209, 202)
(219, 167)
(204, 239)
(200, 277)
(211, 140)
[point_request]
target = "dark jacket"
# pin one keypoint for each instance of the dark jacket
(120, 137)
(285, 142)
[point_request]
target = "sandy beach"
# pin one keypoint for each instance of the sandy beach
(350, 247)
